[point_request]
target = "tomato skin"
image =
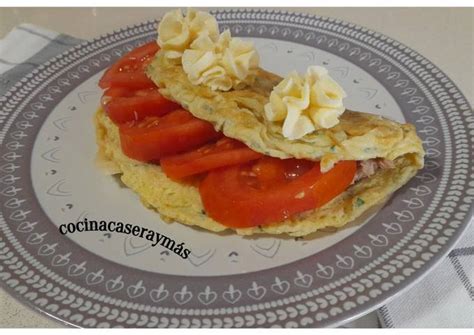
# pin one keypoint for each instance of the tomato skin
(131, 80)
(128, 71)
(224, 152)
(270, 172)
(154, 137)
(113, 92)
(235, 202)
(135, 106)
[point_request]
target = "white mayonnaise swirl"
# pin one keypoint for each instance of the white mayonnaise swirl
(306, 104)
(176, 32)
(223, 65)
(217, 61)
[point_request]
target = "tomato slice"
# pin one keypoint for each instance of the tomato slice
(128, 71)
(131, 80)
(224, 152)
(154, 137)
(271, 190)
(114, 92)
(136, 105)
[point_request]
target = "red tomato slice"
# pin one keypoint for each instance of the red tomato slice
(114, 92)
(128, 71)
(135, 106)
(131, 80)
(155, 137)
(224, 152)
(244, 196)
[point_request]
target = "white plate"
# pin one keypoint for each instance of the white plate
(101, 279)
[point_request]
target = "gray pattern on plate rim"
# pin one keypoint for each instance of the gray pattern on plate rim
(349, 278)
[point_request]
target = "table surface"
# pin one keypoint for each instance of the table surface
(443, 35)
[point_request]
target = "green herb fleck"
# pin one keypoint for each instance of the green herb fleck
(360, 202)
(333, 148)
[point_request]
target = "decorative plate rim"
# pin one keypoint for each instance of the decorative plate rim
(247, 16)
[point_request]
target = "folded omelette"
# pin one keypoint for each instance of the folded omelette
(394, 149)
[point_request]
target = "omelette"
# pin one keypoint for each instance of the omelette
(181, 202)
(208, 138)
(389, 153)
(239, 114)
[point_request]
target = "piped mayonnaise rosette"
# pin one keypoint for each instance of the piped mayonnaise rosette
(176, 32)
(215, 60)
(222, 65)
(305, 104)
